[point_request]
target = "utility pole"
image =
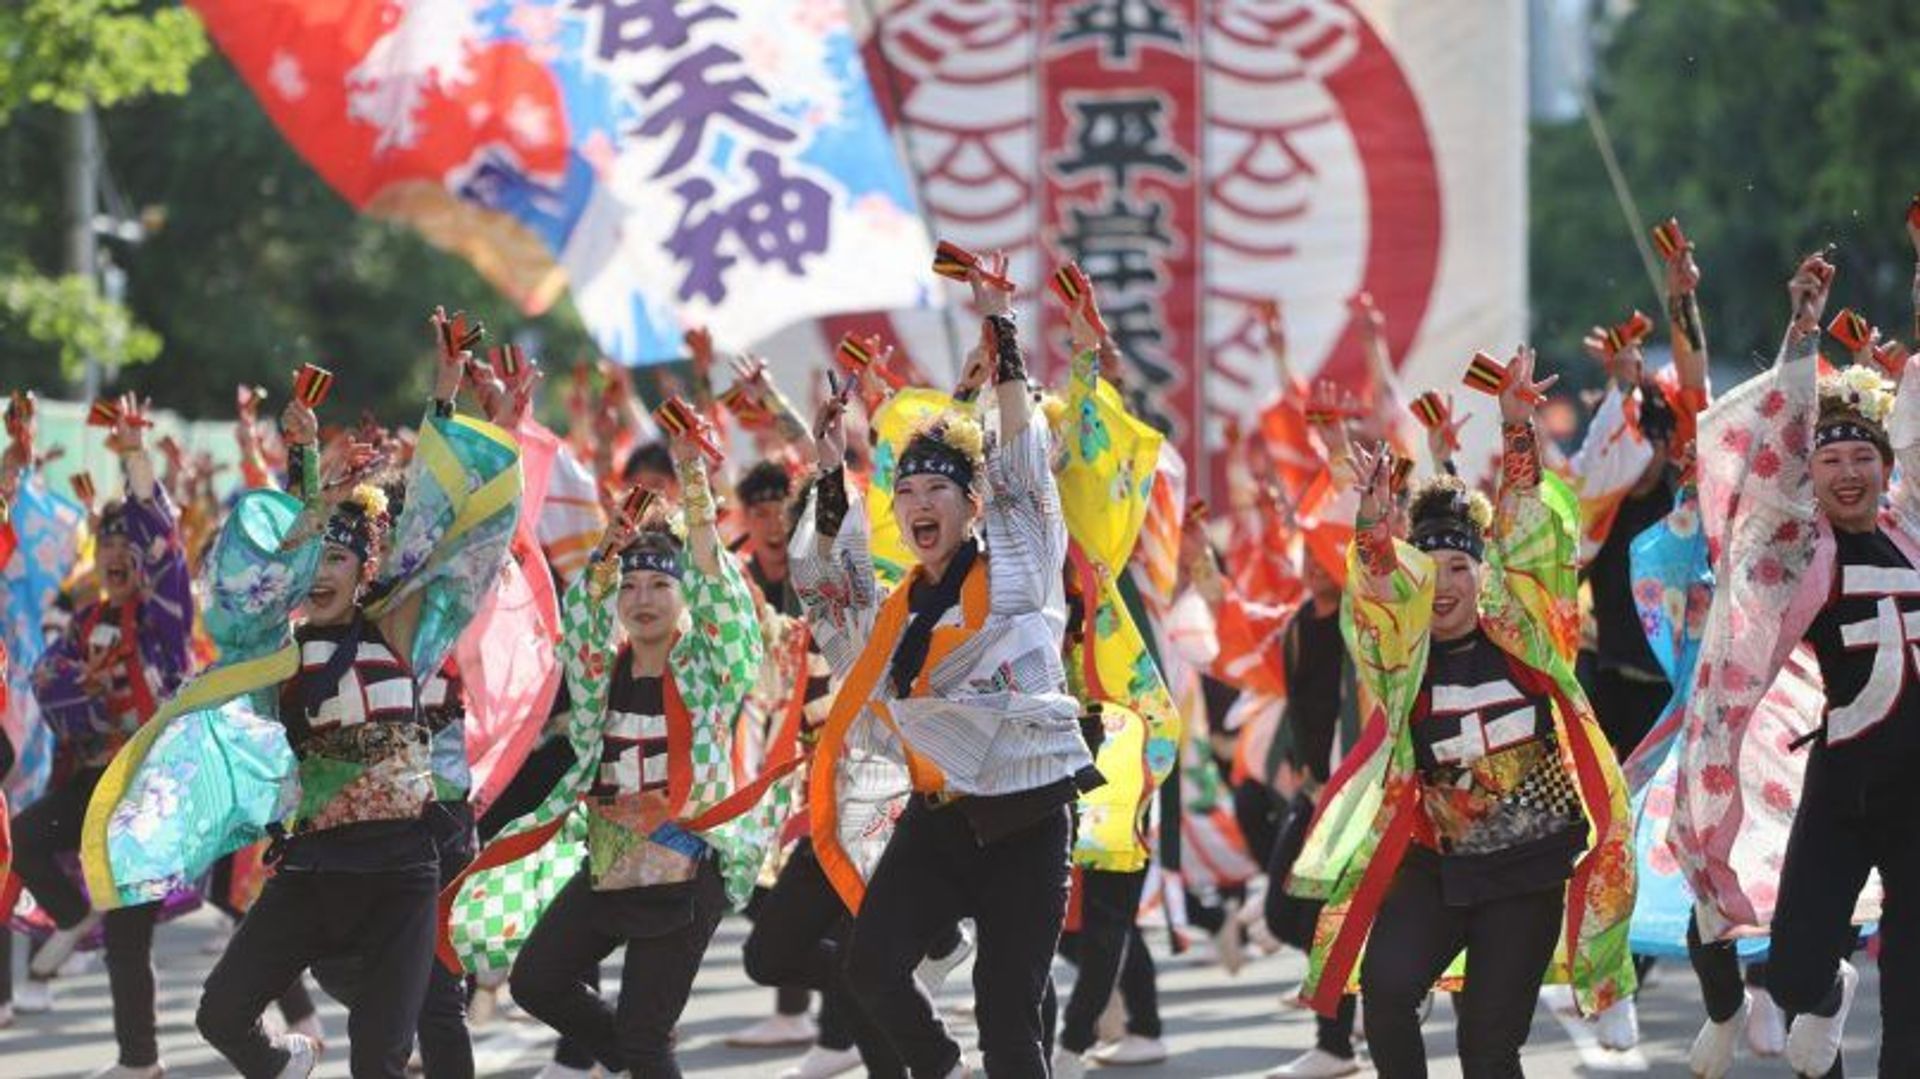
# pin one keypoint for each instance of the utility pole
(83, 199)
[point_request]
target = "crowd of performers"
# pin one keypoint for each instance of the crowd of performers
(462, 709)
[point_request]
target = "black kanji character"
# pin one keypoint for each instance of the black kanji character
(1116, 245)
(1119, 22)
(1118, 134)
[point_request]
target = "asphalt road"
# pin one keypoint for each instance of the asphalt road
(1216, 1025)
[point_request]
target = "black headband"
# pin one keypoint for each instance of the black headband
(1449, 533)
(350, 527)
(1849, 430)
(650, 557)
(928, 456)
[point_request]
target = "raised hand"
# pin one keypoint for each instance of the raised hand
(1372, 467)
(1443, 439)
(830, 430)
(450, 361)
(346, 464)
(1807, 292)
(989, 298)
(1683, 273)
(1521, 396)
(128, 432)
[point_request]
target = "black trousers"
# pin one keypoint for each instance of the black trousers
(43, 833)
(797, 937)
(383, 919)
(296, 1004)
(935, 872)
(1110, 952)
(1416, 935)
(665, 930)
(1843, 829)
(446, 1048)
(1292, 919)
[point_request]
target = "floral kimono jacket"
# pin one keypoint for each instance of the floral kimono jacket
(1739, 780)
(1105, 475)
(46, 528)
(214, 767)
(1368, 813)
(989, 714)
(489, 910)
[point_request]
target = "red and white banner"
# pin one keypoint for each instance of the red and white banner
(1199, 157)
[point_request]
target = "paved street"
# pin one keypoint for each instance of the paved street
(1216, 1026)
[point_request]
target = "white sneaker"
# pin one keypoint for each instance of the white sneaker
(1558, 998)
(1618, 1027)
(557, 1070)
(1766, 1025)
(1316, 1064)
(776, 1032)
(46, 962)
(33, 996)
(1712, 1054)
(933, 970)
(121, 1071)
(1068, 1065)
(304, 1054)
(1227, 944)
(1814, 1041)
(1130, 1050)
(6, 1016)
(821, 1062)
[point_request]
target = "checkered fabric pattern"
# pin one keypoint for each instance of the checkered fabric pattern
(496, 910)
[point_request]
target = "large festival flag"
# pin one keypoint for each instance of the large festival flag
(721, 163)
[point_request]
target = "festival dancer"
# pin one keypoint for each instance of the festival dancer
(1500, 826)
(666, 846)
(1104, 472)
(952, 688)
(121, 654)
(333, 702)
(1627, 474)
(1812, 552)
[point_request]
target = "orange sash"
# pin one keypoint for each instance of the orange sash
(856, 695)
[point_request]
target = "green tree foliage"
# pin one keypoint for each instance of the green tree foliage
(1769, 128)
(71, 53)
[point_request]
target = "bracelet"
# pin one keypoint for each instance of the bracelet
(443, 409)
(830, 500)
(696, 496)
(1009, 364)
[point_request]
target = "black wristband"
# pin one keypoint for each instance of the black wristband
(830, 501)
(443, 409)
(1009, 364)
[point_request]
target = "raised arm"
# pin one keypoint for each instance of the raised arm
(829, 555)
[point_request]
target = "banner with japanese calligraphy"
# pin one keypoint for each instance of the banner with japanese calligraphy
(1199, 156)
(670, 162)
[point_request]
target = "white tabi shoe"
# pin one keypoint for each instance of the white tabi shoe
(1814, 1041)
(1316, 1064)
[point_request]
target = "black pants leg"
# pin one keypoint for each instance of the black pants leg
(1416, 935)
(42, 833)
(934, 872)
(383, 920)
(1717, 965)
(665, 931)
(446, 1048)
(1017, 893)
(1509, 944)
(129, 932)
(1335, 1035)
(911, 900)
(1108, 902)
(1627, 708)
(796, 940)
(1140, 988)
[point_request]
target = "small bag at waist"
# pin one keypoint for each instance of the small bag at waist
(631, 843)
